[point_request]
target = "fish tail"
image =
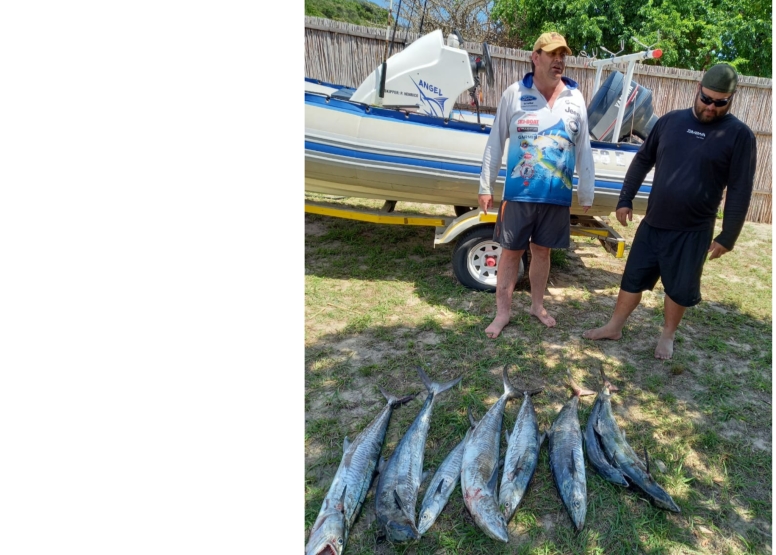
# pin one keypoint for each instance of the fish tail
(396, 401)
(576, 388)
(434, 387)
(607, 383)
(530, 392)
(510, 390)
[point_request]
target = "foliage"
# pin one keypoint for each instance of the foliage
(358, 12)
(694, 34)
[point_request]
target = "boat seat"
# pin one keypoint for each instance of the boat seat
(344, 93)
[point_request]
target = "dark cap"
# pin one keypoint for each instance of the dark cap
(720, 78)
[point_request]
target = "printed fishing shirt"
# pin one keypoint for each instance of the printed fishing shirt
(545, 144)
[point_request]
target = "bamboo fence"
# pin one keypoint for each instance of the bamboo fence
(345, 54)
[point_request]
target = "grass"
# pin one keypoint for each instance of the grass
(381, 300)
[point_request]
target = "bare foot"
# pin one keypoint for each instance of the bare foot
(604, 332)
(543, 317)
(665, 347)
(496, 326)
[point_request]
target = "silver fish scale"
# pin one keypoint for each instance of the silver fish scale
(480, 463)
(441, 486)
(402, 473)
(355, 472)
(619, 451)
(522, 447)
(567, 462)
(594, 448)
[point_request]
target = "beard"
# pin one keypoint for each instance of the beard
(705, 117)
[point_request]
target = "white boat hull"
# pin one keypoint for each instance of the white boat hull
(354, 150)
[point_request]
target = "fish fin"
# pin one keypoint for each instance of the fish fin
(340, 506)
(542, 438)
(410, 518)
(472, 421)
(398, 500)
(424, 476)
(396, 401)
(533, 391)
(439, 488)
(576, 389)
(646, 459)
(345, 444)
(493, 481)
(381, 464)
(436, 388)
(509, 389)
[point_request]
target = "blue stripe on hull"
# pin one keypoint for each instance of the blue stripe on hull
(473, 170)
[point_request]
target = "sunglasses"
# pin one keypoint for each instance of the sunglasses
(718, 103)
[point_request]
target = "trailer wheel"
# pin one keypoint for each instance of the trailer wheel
(473, 255)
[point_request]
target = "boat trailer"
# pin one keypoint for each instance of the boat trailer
(475, 254)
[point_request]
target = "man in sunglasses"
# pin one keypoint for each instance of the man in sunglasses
(697, 153)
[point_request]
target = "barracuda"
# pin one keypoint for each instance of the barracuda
(593, 446)
(442, 484)
(521, 457)
(624, 458)
(567, 463)
(399, 481)
(350, 484)
(479, 468)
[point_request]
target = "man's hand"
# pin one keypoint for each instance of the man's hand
(585, 209)
(624, 214)
(716, 250)
(485, 202)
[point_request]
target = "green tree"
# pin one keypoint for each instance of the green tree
(358, 12)
(694, 34)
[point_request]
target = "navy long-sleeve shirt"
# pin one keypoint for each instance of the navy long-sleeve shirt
(694, 162)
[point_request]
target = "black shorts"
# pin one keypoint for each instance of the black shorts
(547, 225)
(676, 257)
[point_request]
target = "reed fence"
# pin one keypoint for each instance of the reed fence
(345, 54)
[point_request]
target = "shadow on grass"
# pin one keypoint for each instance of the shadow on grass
(687, 421)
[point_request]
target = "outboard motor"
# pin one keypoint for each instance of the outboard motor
(602, 111)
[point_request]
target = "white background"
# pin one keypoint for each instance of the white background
(151, 277)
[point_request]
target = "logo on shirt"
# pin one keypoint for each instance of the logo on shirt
(529, 123)
(697, 134)
(527, 98)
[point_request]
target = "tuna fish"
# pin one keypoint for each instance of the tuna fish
(350, 485)
(567, 463)
(624, 458)
(593, 446)
(399, 481)
(521, 457)
(446, 477)
(479, 468)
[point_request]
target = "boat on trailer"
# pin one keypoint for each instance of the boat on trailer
(398, 137)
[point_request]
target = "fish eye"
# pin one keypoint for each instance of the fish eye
(339, 541)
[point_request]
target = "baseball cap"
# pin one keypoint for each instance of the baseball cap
(550, 41)
(720, 78)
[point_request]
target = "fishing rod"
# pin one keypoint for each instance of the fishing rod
(384, 67)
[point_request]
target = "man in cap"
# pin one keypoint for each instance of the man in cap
(545, 117)
(697, 153)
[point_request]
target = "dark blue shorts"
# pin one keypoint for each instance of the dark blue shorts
(676, 257)
(547, 225)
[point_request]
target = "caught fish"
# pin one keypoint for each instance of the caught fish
(567, 463)
(593, 446)
(521, 457)
(624, 458)
(351, 484)
(479, 468)
(399, 481)
(446, 477)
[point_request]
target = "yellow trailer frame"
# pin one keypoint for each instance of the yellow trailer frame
(475, 257)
